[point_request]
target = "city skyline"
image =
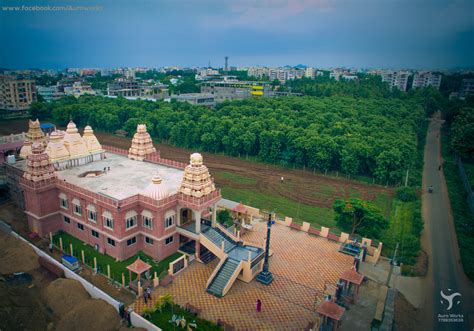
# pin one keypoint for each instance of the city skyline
(417, 35)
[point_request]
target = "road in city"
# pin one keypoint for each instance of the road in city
(445, 270)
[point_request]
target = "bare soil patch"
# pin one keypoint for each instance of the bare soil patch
(303, 186)
(406, 316)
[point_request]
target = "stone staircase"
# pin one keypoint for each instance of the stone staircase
(216, 287)
(217, 237)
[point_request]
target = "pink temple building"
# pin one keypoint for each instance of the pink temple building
(122, 202)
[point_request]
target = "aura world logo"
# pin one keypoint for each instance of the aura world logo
(450, 299)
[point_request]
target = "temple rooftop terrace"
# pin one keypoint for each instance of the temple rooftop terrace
(125, 178)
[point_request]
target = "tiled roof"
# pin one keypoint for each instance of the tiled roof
(139, 266)
(331, 310)
(352, 276)
(240, 208)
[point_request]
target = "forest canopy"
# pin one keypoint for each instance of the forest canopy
(375, 137)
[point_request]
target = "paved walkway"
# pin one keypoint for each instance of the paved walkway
(302, 265)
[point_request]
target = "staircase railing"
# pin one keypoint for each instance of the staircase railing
(216, 270)
(210, 245)
(232, 279)
(227, 233)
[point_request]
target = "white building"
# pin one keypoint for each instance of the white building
(50, 93)
(398, 79)
(310, 72)
(425, 79)
(78, 89)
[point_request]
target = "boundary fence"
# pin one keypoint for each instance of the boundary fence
(95, 292)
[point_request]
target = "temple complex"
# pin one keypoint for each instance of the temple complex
(122, 202)
(141, 144)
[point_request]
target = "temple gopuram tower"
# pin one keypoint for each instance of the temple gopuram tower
(34, 134)
(56, 149)
(141, 144)
(197, 181)
(74, 143)
(93, 145)
(41, 196)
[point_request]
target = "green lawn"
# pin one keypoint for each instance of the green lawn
(161, 319)
(282, 206)
(463, 219)
(400, 226)
(116, 268)
(384, 202)
(300, 212)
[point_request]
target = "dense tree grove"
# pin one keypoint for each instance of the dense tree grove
(361, 217)
(373, 137)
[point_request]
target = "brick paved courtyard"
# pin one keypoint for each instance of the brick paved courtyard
(302, 265)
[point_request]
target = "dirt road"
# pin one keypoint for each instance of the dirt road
(445, 272)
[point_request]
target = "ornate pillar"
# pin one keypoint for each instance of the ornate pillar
(198, 221)
(214, 215)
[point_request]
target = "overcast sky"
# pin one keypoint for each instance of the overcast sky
(351, 33)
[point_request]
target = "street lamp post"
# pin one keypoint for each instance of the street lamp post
(266, 277)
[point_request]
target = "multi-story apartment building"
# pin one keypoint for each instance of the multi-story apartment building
(78, 89)
(426, 79)
(200, 99)
(50, 93)
(230, 90)
(310, 72)
(467, 87)
(398, 79)
(16, 94)
(278, 74)
(122, 87)
(258, 72)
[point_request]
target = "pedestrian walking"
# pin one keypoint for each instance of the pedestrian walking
(129, 316)
(148, 292)
(50, 246)
(145, 296)
(259, 305)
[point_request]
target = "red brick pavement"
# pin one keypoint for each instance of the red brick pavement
(302, 265)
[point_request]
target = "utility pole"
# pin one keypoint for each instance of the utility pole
(392, 263)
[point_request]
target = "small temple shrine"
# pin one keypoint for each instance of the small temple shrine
(142, 146)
